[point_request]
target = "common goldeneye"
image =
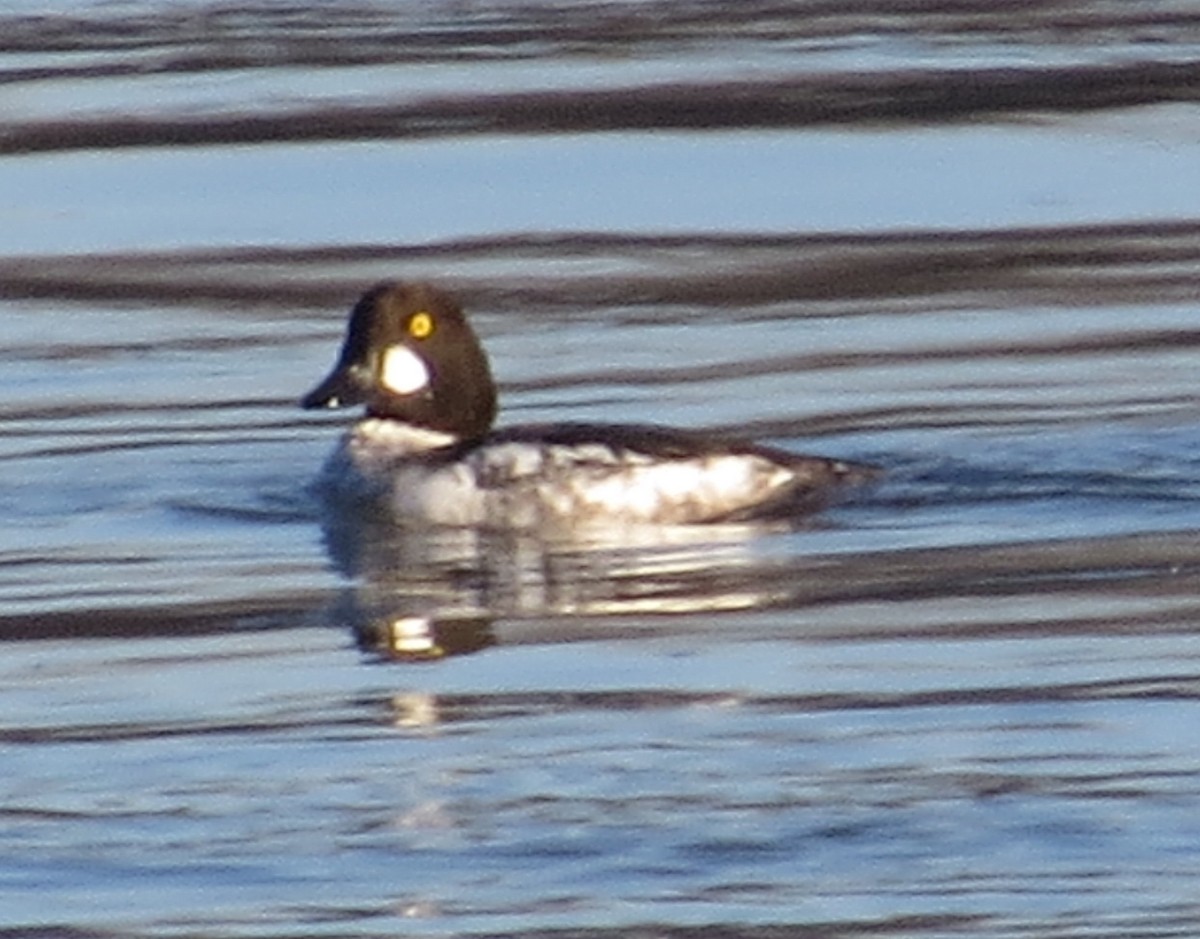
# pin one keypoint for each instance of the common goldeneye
(427, 451)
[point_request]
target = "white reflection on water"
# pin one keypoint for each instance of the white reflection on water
(422, 594)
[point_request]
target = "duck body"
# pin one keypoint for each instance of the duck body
(536, 476)
(427, 453)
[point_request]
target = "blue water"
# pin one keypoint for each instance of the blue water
(1092, 169)
(957, 704)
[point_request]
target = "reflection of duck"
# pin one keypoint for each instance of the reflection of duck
(427, 452)
(423, 638)
(419, 594)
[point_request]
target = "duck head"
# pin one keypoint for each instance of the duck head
(410, 355)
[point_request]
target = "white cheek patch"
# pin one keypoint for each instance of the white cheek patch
(403, 371)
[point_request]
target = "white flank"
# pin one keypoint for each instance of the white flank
(403, 371)
(521, 485)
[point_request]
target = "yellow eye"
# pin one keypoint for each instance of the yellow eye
(421, 325)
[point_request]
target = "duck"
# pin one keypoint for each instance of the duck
(426, 450)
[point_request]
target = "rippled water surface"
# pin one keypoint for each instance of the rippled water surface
(960, 241)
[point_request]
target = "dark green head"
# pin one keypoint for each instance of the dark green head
(410, 355)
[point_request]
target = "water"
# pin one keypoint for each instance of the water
(957, 241)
